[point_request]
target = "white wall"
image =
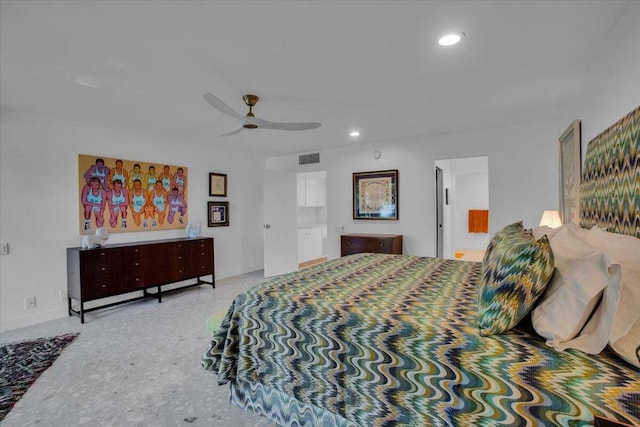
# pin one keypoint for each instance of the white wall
(614, 87)
(523, 179)
(523, 160)
(40, 221)
(471, 192)
(39, 204)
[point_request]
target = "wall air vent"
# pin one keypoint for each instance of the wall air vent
(305, 159)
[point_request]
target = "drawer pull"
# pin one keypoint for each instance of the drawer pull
(104, 286)
(136, 263)
(381, 245)
(103, 268)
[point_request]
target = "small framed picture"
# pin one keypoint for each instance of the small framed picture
(375, 195)
(218, 214)
(218, 184)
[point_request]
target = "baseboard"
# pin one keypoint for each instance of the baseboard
(32, 319)
(312, 262)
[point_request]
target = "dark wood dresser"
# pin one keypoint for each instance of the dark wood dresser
(121, 268)
(356, 243)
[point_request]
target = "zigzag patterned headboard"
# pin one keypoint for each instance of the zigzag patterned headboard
(610, 184)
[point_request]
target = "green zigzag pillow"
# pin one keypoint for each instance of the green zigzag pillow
(516, 272)
(509, 232)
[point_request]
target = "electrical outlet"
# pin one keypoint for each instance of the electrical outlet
(4, 248)
(29, 303)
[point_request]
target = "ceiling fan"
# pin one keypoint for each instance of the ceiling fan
(250, 121)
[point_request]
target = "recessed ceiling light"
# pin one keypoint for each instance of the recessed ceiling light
(354, 133)
(450, 39)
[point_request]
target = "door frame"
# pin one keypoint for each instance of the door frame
(439, 211)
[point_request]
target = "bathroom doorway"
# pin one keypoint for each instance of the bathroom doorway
(462, 185)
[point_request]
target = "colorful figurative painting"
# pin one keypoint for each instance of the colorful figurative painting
(129, 195)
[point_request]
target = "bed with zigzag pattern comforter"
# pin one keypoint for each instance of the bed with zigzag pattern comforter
(381, 340)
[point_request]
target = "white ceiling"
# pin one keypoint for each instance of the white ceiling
(374, 66)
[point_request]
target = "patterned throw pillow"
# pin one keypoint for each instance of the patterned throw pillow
(507, 232)
(515, 274)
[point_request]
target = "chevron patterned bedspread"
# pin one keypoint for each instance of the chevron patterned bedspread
(381, 340)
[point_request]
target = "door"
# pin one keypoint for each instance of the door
(280, 223)
(439, 212)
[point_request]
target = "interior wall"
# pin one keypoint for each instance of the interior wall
(40, 221)
(471, 192)
(614, 87)
(39, 205)
(522, 180)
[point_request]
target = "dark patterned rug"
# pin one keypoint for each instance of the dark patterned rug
(21, 363)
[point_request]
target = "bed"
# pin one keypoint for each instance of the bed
(381, 340)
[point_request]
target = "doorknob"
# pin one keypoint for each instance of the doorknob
(267, 226)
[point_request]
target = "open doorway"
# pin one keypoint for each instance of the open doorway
(462, 185)
(312, 218)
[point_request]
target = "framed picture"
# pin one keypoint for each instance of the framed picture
(570, 170)
(375, 195)
(112, 193)
(218, 184)
(218, 214)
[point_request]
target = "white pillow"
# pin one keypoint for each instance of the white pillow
(626, 251)
(627, 346)
(583, 277)
(581, 233)
(545, 230)
(538, 232)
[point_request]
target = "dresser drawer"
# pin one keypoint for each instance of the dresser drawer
(200, 258)
(101, 272)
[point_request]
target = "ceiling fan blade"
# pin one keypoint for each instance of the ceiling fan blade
(233, 132)
(217, 103)
(285, 126)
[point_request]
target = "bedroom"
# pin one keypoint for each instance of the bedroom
(45, 134)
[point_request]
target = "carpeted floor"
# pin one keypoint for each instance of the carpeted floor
(135, 364)
(22, 363)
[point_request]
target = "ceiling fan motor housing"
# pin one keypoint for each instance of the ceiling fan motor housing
(250, 100)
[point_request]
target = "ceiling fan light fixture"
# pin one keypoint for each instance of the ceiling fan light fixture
(450, 39)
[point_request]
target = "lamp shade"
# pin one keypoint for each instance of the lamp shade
(550, 219)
